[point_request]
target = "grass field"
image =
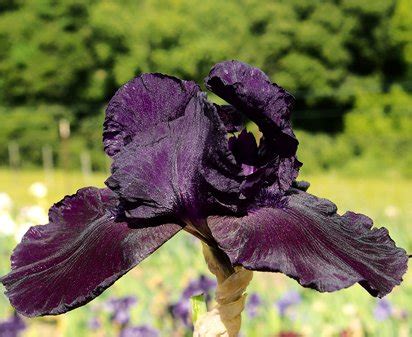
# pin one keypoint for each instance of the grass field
(159, 280)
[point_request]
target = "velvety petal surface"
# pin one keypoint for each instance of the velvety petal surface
(250, 91)
(180, 168)
(83, 250)
(142, 103)
(303, 237)
(232, 119)
(244, 148)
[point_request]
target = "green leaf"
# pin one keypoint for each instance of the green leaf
(198, 304)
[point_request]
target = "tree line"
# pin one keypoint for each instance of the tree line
(65, 59)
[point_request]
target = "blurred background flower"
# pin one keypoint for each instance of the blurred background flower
(12, 327)
(94, 323)
(5, 202)
(289, 299)
(119, 309)
(383, 310)
(181, 310)
(252, 305)
(139, 331)
(38, 190)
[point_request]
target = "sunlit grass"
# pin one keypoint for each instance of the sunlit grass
(160, 279)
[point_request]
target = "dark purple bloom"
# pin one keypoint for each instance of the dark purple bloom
(289, 299)
(383, 310)
(253, 303)
(139, 331)
(174, 168)
(120, 309)
(12, 326)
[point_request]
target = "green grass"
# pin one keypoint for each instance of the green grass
(160, 279)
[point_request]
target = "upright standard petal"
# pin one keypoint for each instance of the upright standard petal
(83, 250)
(303, 237)
(142, 103)
(181, 168)
(231, 118)
(250, 91)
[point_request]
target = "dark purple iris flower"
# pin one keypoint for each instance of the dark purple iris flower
(120, 309)
(288, 300)
(12, 327)
(175, 169)
(252, 306)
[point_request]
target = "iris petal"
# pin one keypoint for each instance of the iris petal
(82, 251)
(144, 102)
(244, 148)
(182, 167)
(250, 91)
(230, 117)
(303, 237)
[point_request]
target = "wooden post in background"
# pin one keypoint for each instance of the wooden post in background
(64, 132)
(14, 156)
(86, 165)
(47, 156)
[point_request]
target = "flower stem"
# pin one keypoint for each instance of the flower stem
(224, 319)
(199, 308)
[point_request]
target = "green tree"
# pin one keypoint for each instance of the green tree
(328, 53)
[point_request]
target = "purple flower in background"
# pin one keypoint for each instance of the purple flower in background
(175, 169)
(202, 285)
(12, 326)
(181, 309)
(289, 299)
(139, 331)
(383, 310)
(253, 303)
(94, 323)
(120, 309)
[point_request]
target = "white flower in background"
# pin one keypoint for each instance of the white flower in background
(38, 190)
(7, 224)
(29, 216)
(5, 202)
(21, 230)
(349, 309)
(319, 306)
(391, 211)
(33, 214)
(328, 331)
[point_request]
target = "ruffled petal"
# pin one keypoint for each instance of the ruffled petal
(250, 91)
(142, 103)
(244, 148)
(83, 250)
(181, 168)
(231, 118)
(303, 237)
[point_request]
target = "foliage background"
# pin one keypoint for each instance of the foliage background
(348, 63)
